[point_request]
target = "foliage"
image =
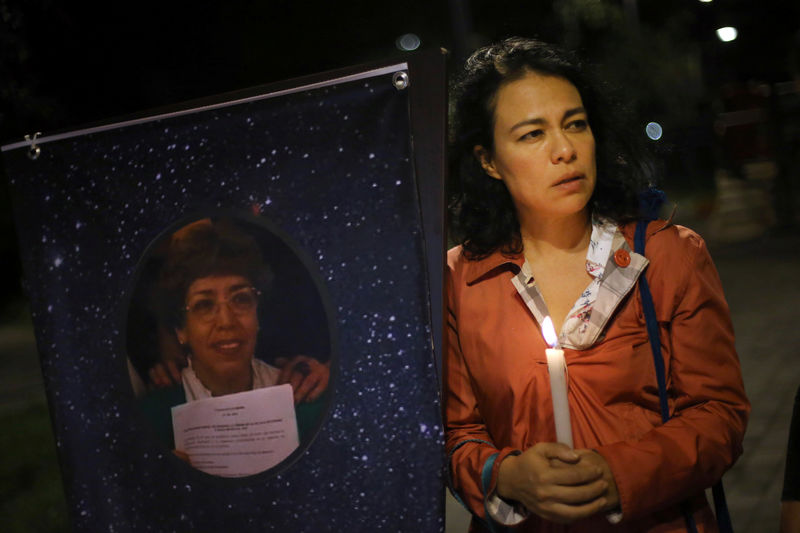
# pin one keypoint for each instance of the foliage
(31, 492)
(22, 100)
(658, 67)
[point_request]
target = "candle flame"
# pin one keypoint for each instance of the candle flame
(549, 332)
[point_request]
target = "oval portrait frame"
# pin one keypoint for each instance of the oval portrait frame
(298, 303)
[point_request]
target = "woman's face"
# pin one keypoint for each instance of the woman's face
(544, 149)
(221, 327)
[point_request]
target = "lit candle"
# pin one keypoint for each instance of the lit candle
(557, 368)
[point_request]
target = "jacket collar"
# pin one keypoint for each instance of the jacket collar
(496, 262)
(501, 261)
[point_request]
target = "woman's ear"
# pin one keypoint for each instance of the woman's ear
(181, 334)
(485, 159)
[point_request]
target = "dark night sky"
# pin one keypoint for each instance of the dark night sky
(73, 63)
(88, 62)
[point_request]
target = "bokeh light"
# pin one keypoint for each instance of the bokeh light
(654, 130)
(408, 42)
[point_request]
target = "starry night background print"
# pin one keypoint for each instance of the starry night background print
(332, 168)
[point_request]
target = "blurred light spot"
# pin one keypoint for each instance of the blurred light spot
(407, 42)
(654, 130)
(705, 1)
(727, 34)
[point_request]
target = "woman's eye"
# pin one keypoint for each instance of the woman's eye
(202, 306)
(531, 135)
(578, 125)
(244, 299)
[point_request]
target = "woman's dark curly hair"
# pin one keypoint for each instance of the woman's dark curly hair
(483, 218)
(207, 248)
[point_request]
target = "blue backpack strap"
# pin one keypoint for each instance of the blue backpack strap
(655, 347)
(652, 324)
(720, 505)
(650, 202)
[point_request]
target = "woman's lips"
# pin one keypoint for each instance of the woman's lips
(227, 346)
(568, 178)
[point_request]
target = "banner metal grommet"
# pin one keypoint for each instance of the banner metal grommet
(33, 150)
(400, 80)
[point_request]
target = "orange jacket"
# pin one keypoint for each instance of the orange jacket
(497, 386)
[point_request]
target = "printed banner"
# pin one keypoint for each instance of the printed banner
(241, 245)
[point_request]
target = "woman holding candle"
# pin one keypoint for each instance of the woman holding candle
(544, 199)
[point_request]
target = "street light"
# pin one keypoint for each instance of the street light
(727, 34)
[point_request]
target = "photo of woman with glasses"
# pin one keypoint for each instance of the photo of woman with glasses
(209, 287)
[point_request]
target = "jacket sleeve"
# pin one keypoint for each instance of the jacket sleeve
(473, 459)
(708, 405)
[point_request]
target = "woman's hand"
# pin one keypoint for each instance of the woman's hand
(183, 456)
(555, 482)
(593, 458)
(307, 376)
(166, 373)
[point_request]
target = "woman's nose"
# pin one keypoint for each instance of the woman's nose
(225, 314)
(563, 151)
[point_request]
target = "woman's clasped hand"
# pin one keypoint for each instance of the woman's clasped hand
(557, 483)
